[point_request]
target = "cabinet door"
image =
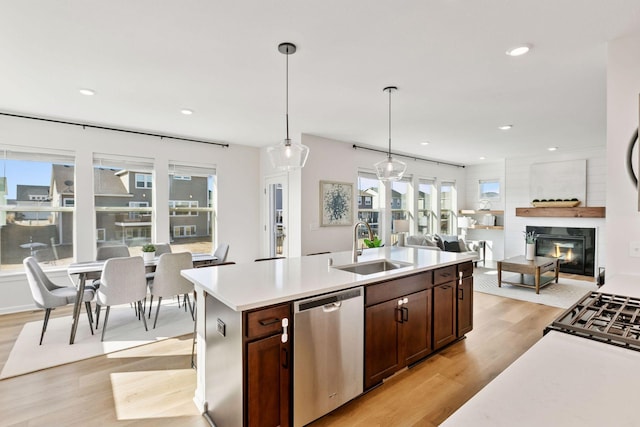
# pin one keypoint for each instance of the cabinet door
(415, 327)
(465, 306)
(381, 342)
(444, 314)
(268, 382)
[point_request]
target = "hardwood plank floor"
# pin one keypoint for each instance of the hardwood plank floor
(153, 385)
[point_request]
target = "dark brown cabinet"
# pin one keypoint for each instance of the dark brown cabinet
(444, 306)
(268, 367)
(397, 330)
(465, 298)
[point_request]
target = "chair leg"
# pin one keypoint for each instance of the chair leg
(104, 326)
(193, 343)
(150, 305)
(178, 300)
(97, 315)
(188, 302)
(87, 305)
(44, 325)
(157, 311)
(144, 319)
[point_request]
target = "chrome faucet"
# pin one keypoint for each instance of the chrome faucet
(355, 238)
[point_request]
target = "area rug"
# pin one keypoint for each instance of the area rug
(562, 294)
(123, 331)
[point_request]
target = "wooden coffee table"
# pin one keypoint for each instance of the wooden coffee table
(535, 268)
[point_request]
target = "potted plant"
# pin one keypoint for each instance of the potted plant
(148, 252)
(375, 243)
(530, 240)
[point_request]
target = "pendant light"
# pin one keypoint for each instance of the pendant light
(390, 169)
(288, 156)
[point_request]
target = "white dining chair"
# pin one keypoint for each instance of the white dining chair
(168, 282)
(122, 282)
(221, 253)
(48, 295)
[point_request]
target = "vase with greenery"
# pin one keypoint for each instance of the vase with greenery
(530, 240)
(148, 252)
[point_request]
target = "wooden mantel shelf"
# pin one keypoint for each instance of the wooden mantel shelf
(578, 212)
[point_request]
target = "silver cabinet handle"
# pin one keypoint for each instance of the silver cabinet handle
(285, 329)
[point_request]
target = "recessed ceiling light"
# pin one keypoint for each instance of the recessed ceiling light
(482, 157)
(186, 111)
(518, 50)
(87, 92)
(424, 143)
(552, 148)
(505, 127)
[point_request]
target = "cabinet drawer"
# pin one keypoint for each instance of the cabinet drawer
(385, 291)
(444, 275)
(266, 322)
(466, 268)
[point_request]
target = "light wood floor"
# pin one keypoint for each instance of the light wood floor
(153, 385)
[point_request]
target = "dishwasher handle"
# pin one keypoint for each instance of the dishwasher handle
(328, 303)
(328, 308)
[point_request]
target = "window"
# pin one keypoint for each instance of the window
(401, 200)
(34, 219)
(192, 196)
(100, 234)
(369, 211)
(123, 200)
(184, 230)
(68, 202)
(144, 180)
(489, 189)
(427, 206)
(180, 207)
(448, 202)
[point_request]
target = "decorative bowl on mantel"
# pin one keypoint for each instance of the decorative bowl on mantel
(557, 203)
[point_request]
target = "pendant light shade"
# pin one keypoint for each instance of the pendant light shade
(288, 156)
(390, 169)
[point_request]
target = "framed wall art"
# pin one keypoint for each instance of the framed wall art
(336, 203)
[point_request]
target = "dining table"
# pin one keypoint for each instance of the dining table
(92, 270)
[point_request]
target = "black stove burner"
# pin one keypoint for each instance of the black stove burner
(613, 319)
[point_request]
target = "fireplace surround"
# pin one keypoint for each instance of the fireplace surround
(576, 247)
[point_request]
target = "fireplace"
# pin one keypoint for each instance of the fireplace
(575, 247)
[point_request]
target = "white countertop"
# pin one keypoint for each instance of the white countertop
(563, 380)
(622, 284)
(259, 284)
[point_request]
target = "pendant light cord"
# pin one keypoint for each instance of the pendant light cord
(287, 98)
(389, 154)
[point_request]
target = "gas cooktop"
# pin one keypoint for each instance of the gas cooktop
(608, 318)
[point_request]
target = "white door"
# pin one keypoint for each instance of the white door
(277, 216)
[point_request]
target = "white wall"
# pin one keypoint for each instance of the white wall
(494, 239)
(332, 160)
(517, 181)
(623, 219)
(237, 168)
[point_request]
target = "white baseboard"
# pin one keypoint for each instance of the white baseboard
(17, 309)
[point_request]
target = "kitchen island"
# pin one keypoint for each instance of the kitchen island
(244, 323)
(562, 380)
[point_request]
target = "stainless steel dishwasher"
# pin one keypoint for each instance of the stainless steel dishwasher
(328, 353)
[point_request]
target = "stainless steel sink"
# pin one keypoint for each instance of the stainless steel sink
(373, 266)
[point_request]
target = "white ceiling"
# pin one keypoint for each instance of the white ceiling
(148, 59)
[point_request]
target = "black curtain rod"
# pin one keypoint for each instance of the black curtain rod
(84, 125)
(437, 162)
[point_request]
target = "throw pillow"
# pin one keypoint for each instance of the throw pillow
(439, 241)
(463, 246)
(416, 240)
(429, 242)
(452, 246)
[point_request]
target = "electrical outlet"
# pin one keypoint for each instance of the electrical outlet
(221, 328)
(634, 248)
